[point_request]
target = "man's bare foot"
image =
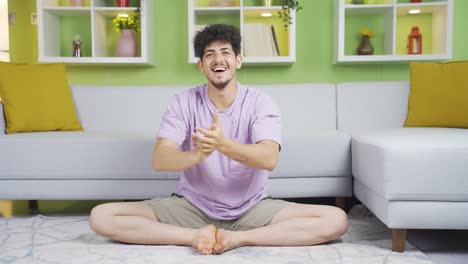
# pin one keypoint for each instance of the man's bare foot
(205, 240)
(225, 241)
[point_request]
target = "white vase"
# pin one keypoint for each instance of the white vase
(126, 45)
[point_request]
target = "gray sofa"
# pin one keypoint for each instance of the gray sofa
(409, 177)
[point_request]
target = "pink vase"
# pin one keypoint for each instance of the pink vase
(77, 2)
(126, 45)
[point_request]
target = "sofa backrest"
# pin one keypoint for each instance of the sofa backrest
(133, 109)
(305, 108)
(371, 105)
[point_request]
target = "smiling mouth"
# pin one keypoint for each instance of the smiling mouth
(219, 69)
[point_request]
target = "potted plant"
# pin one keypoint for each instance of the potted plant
(126, 24)
(288, 6)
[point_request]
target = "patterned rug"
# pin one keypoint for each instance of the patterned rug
(68, 239)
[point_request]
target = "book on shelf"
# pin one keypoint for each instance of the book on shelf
(275, 40)
(260, 40)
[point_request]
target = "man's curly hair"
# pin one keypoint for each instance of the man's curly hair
(217, 32)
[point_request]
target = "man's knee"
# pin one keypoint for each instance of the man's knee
(100, 220)
(338, 223)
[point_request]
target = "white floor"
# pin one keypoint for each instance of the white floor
(68, 239)
(442, 246)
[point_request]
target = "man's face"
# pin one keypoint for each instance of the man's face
(219, 64)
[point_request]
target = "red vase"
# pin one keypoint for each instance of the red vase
(122, 3)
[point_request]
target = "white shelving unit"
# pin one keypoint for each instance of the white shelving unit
(58, 22)
(391, 21)
(239, 13)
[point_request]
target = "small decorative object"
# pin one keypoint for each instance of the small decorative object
(365, 47)
(415, 41)
(76, 46)
(127, 24)
(415, 1)
(288, 6)
(122, 3)
(221, 3)
(77, 2)
(33, 18)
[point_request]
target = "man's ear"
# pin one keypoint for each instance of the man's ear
(239, 61)
(200, 65)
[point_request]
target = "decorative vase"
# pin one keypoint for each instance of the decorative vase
(126, 45)
(77, 2)
(122, 3)
(365, 47)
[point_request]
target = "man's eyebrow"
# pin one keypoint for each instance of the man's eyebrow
(222, 49)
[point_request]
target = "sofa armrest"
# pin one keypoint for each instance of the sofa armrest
(2, 120)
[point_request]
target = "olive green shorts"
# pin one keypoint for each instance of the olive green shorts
(176, 210)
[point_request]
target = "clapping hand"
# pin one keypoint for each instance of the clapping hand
(209, 139)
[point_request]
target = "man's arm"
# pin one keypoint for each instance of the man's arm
(262, 155)
(167, 156)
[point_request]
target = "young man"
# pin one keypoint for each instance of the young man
(224, 137)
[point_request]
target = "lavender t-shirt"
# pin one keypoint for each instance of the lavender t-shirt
(221, 187)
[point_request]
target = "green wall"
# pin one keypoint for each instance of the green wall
(314, 51)
(23, 35)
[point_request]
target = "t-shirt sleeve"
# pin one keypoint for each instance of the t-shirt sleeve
(267, 120)
(173, 126)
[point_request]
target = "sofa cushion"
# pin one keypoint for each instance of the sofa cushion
(323, 154)
(413, 163)
(312, 147)
(42, 101)
(438, 95)
(98, 155)
(78, 155)
(305, 108)
(126, 109)
(371, 105)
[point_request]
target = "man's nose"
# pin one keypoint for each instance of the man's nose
(218, 57)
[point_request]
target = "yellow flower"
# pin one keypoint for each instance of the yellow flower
(366, 32)
(126, 21)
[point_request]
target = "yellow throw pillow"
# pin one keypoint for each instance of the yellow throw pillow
(438, 95)
(36, 97)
